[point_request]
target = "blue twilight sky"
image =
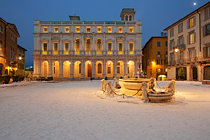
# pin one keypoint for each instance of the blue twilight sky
(155, 15)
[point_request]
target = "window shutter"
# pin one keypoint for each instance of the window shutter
(194, 37)
(188, 39)
(195, 53)
(182, 40)
(188, 55)
(178, 42)
(204, 52)
(170, 46)
(204, 30)
(188, 24)
(194, 20)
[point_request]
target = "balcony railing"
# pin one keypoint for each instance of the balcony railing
(180, 47)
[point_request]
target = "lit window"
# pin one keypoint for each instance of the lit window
(191, 22)
(88, 29)
(109, 48)
(130, 29)
(159, 70)
(44, 48)
(191, 39)
(158, 61)
(66, 29)
(55, 48)
(120, 48)
(77, 48)
(56, 29)
(1, 48)
(66, 48)
(166, 70)
(88, 46)
(99, 48)
(77, 29)
(98, 29)
(109, 29)
(99, 68)
(120, 29)
(131, 49)
(45, 29)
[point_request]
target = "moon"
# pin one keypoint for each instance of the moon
(194, 3)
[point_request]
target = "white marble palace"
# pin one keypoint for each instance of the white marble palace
(82, 49)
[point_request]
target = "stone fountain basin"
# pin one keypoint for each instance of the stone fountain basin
(160, 97)
(132, 84)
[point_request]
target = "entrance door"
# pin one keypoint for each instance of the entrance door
(207, 73)
(89, 70)
(181, 74)
(195, 73)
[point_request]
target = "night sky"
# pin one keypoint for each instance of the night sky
(155, 15)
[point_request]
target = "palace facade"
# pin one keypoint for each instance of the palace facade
(82, 49)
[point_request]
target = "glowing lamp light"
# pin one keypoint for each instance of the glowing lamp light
(194, 3)
(176, 50)
(69, 63)
(89, 62)
(20, 58)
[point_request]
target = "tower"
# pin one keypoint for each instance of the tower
(127, 14)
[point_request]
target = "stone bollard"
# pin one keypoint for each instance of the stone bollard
(144, 91)
(102, 84)
(115, 82)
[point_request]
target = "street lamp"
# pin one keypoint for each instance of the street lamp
(176, 50)
(20, 58)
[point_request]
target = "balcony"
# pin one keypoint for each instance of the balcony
(192, 60)
(181, 47)
(181, 61)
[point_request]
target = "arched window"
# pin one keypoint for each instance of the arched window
(130, 18)
(99, 68)
(88, 45)
(126, 17)
(77, 45)
(1, 48)
(98, 45)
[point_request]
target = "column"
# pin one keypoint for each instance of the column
(188, 73)
(104, 68)
(93, 68)
(135, 67)
(72, 43)
(72, 69)
(83, 48)
(199, 73)
(50, 67)
(61, 69)
(82, 69)
(39, 68)
(115, 68)
(125, 68)
(93, 48)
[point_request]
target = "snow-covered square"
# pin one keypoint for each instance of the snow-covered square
(78, 110)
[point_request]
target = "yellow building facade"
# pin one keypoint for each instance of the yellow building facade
(155, 53)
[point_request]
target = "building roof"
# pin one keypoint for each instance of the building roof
(21, 47)
(152, 38)
(127, 10)
(192, 13)
(1, 19)
(12, 26)
(74, 17)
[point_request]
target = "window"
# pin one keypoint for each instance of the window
(1, 29)
(130, 18)
(158, 43)
(192, 53)
(166, 43)
(165, 61)
(99, 48)
(56, 29)
(172, 44)
(158, 61)
(130, 29)
(66, 29)
(150, 71)
(180, 40)
(109, 48)
(66, 48)
(98, 29)
(131, 47)
(11, 53)
(180, 28)
(191, 22)
(166, 70)
(158, 54)
(77, 29)
(172, 32)
(206, 52)
(88, 46)
(55, 48)
(80, 68)
(158, 70)
(172, 57)
(120, 29)
(109, 29)
(77, 48)
(45, 29)
(166, 53)
(99, 68)
(118, 68)
(88, 29)
(191, 38)
(207, 29)
(1, 48)
(126, 17)
(207, 13)
(109, 70)
(44, 48)
(120, 47)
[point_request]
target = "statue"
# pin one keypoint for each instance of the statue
(171, 87)
(144, 91)
(152, 84)
(103, 85)
(115, 82)
(109, 89)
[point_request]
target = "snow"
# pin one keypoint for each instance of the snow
(79, 110)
